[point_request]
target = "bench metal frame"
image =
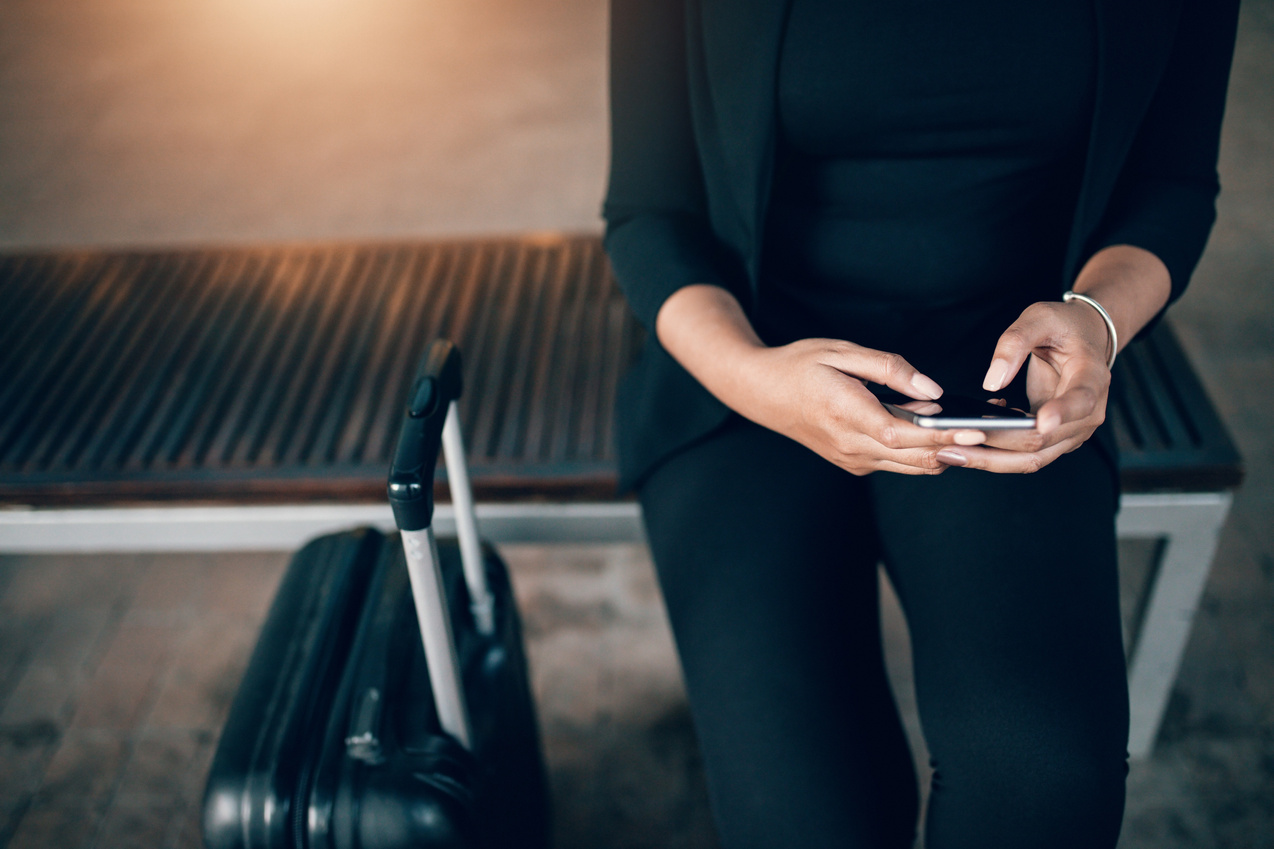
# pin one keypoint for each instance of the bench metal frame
(1189, 524)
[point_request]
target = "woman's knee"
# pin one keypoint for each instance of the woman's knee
(1041, 786)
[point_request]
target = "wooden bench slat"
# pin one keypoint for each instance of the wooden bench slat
(1169, 433)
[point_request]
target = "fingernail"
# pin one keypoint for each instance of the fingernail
(926, 386)
(995, 375)
(970, 437)
(1045, 424)
(952, 457)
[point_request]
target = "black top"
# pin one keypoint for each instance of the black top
(929, 160)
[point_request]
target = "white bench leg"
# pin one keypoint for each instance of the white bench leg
(1191, 525)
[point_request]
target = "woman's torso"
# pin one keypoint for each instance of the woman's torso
(929, 160)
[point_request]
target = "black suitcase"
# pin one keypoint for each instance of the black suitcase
(342, 734)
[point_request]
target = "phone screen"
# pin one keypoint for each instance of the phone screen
(957, 411)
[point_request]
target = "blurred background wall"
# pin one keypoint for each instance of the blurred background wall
(180, 121)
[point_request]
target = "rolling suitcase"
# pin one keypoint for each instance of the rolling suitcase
(349, 729)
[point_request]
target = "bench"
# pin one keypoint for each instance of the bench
(248, 398)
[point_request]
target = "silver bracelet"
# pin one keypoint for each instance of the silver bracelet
(1069, 296)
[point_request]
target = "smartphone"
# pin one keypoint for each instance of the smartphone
(957, 411)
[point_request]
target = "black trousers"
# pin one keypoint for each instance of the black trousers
(767, 556)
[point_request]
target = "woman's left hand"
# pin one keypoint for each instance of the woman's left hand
(1067, 382)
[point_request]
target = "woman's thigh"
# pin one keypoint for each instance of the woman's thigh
(1010, 589)
(767, 558)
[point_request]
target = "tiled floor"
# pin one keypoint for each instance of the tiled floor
(117, 673)
(160, 122)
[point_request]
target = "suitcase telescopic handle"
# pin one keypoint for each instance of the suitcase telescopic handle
(432, 422)
(433, 419)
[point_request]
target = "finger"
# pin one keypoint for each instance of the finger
(887, 369)
(1011, 350)
(1003, 402)
(893, 433)
(1079, 399)
(1076, 405)
(860, 447)
(921, 408)
(1032, 440)
(905, 469)
(924, 459)
(1005, 462)
(928, 408)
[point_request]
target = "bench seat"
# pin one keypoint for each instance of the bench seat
(276, 374)
(263, 374)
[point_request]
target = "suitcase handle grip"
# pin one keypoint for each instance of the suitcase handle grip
(438, 383)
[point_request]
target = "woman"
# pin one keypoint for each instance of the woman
(812, 199)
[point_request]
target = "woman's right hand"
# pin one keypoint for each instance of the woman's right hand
(812, 390)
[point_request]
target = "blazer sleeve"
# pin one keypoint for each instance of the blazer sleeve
(1165, 196)
(658, 231)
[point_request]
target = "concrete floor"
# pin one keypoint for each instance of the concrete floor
(148, 122)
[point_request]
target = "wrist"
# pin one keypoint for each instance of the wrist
(704, 328)
(745, 381)
(1099, 321)
(1131, 283)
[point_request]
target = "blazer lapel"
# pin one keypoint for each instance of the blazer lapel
(741, 55)
(1134, 39)
(741, 43)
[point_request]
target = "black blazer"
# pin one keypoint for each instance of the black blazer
(693, 132)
